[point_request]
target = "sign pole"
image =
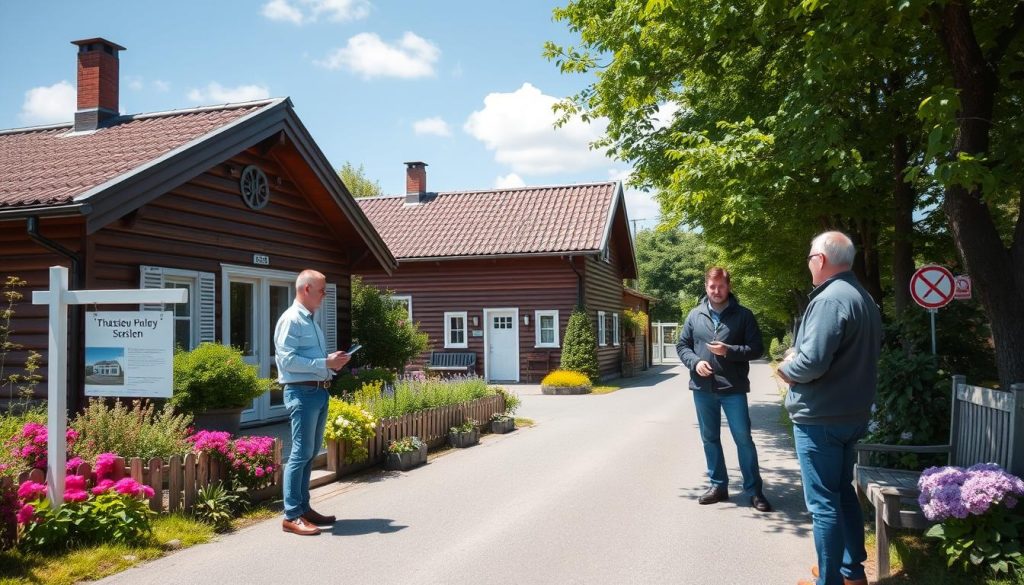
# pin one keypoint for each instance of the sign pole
(57, 397)
(932, 312)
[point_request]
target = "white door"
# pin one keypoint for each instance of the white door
(502, 343)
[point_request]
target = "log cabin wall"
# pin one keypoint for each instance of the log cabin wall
(604, 294)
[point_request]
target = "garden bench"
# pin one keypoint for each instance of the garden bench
(537, 364)
(984, 427)
(452, 361)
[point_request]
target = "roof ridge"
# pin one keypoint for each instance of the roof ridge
(499, 190)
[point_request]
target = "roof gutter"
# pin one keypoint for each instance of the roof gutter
(75, 330)
(37, 211)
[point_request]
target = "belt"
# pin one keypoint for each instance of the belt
(325, 384)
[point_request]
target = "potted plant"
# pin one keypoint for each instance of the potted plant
(502, 423)
(464, 435)
(214, 384)
(406, 453)
(565, 382)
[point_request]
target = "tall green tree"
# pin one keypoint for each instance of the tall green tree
(793, 118)
(359, 185)
(671, 264)
(381, 325)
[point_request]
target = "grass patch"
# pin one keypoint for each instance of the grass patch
(604, 389)
(95, 562)
(258, 513)
(524, 422)
(917, 559)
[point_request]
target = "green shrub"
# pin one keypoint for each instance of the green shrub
(911, 408)
(217, 506)
(347, 383)
(512, 400)
(579, 350)
(415, 395)
(405, 445)
(633, 323)
(467, 426)
(138, 431)
(352, 424)
(214, 376)
(382, 326)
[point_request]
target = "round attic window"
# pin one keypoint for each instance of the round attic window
(255, 187)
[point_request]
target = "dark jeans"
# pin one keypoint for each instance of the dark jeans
(709, 416)
(826, 460)
(307, 409)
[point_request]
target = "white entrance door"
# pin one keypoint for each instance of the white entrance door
(501, 338)
(252, 303)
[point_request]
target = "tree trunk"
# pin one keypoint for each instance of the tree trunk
(997, 272)
(903, 227)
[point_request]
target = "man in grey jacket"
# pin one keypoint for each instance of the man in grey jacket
(717, 342)
(831, 374)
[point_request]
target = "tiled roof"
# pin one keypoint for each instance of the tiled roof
(52, 165)
(530, 220)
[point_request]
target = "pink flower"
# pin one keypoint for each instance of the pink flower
(103, 487)
(105, 465)
(270, 468)
(147, 492)
(73, 464)
(72, 436)
(75, 496)
(25, 514)
(30, 490)
(128, 487)
(74, 482)
(259, 472)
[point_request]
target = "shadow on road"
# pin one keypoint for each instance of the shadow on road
(355, 527)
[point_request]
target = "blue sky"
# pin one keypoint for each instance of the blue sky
(458, 84)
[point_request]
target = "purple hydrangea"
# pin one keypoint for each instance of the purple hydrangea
(954, 492)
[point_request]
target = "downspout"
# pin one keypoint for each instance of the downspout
(581, 299)
(75, 370)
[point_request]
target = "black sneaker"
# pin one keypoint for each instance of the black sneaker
(714, 495)
(760, 503)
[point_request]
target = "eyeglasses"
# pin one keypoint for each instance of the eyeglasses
(813, 255)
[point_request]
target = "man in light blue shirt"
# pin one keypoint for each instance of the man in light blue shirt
(305, 369)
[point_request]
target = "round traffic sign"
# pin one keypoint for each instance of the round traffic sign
(932, 287)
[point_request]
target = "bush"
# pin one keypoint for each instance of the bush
(565, 378)
(777, 348)
(347, 383)
(633, 323)
(911, 408)
(249, 460)
(214, 376)
(405, 445)
(139, 431)
(382, 325)
(413, 395)
(217, 506)
(351, 424)
(579, 351)
(512, 400)
(468, 426)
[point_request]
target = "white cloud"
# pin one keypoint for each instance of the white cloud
(640, 205)
(436, 126)
(367, 55)
(135, 83)
(666, 112)
(49, 104)
(509, 181)
(519, 128)
(305, 11)
(216, 93)
(161, 86)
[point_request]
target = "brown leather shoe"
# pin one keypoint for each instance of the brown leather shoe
(814, 571)
(314, 517)
(299, 526)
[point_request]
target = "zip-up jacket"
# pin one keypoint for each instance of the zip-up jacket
(737, 329)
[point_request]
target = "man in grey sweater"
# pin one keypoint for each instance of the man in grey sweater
(831, 374)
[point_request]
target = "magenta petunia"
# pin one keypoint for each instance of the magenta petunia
(76, 496)
(105, 465)
(74, 482)
(128, 487)
(103, 486)
(30, 490)
(73, 463)
(26, 513)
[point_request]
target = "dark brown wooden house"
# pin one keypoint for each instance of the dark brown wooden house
(499, 272)
(229, 202)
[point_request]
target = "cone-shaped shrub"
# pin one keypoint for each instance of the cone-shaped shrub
(579, 352)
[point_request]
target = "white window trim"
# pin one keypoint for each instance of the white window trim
(448, 330)
(192, 282)
(615, 329)
(602, 333)
(408, 301)
(536, 321)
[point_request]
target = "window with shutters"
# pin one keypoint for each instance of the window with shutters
(194, 319)
(615, 328)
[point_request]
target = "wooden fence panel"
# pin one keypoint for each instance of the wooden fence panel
(156, 481)
(174, 483)
(190, 481)
(136, 470)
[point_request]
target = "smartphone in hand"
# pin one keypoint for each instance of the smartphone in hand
(354, 349)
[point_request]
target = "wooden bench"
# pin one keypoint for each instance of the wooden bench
(537, 365)
(984, 427)
(452, 361)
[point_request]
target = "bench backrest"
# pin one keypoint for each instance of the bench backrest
(986, 425)
(450, 359)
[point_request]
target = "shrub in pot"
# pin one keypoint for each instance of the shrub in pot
(502, 423)
(406, 453)
(464, 435)
(565, 382)
(214, 383)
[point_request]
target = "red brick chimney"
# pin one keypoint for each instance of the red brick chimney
(97, 82)
(415, 181)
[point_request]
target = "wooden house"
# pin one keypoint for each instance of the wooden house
(498, 273)
(229, 202)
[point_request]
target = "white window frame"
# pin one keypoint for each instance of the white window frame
(537, 328)
(602, 330)
(408, 302)
(615, 329)
(448, 330)
(190, 280)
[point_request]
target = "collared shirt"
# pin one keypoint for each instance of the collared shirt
(300, 349)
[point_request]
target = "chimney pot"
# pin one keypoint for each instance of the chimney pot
(98, 80)
(415, 181)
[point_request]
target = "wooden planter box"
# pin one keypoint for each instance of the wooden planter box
(407, 460)
(565, 389)
(503, 426)
(463, 440)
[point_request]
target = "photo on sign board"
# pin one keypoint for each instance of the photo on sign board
(104, 366)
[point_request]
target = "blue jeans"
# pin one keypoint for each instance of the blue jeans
(826, 460)
(709, 416)
(307, 409)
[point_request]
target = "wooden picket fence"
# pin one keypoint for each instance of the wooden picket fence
(177, 480)
(430, 425)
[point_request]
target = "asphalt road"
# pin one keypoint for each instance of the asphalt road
(602, 491)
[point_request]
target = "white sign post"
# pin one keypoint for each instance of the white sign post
(59, 298)
(932, 287)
